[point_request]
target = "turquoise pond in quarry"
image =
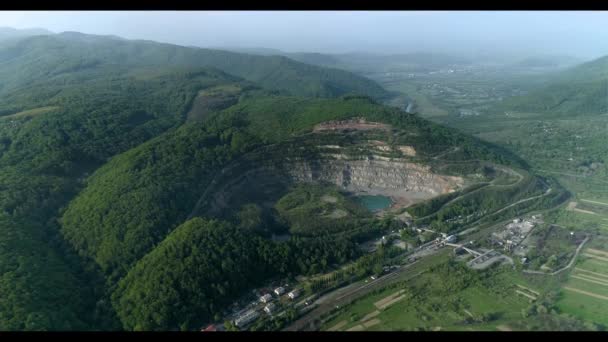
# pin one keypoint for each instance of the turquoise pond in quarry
(374, 203)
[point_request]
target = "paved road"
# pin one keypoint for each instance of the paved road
(487, 185)
(567, 266)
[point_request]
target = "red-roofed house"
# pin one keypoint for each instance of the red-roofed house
(211, 327)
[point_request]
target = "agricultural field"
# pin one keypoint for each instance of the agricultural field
(448, 297)
(585, 294)
(581, 214)
(465, 93)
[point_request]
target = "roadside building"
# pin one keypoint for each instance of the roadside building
(210, 327)
(246, 318)
(266, 298)
(294, 294)
(279, 290)
(270, 308)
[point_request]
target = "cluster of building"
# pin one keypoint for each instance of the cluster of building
(246, 318)
(514, 233)
(468, 112)
(270, 307)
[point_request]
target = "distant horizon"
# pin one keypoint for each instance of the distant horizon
(356, 52)
(509, 34)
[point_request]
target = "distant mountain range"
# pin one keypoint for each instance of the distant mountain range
(7, 33)
(56, 54)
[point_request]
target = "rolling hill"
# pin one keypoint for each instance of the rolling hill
(43, 58)
(127, 169)
(9, 33)
(580, 90)
(133, 206)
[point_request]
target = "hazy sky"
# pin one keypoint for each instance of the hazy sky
(580, 33)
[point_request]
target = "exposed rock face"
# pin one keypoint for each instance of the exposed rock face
(359, 124)
(263, 180)
(407, 150)
(357, 164)
(377, 175)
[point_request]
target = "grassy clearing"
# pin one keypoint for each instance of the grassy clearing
(584, 307)
(32, 112)
(310, 207)
(213, 99)
(424, 105)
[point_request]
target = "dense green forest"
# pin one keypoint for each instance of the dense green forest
(132, 202)
(44, 159)
(106, 147)
(32, 60)
(202, 265)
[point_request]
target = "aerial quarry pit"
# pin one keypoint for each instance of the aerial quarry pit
(362, 167)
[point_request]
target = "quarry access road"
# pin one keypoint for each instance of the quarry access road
(513, 204)
(487, 185)
(451, 150)
(523, 200)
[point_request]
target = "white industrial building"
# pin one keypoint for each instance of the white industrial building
(294, 294)
(266, 298)
(246, 318)
(270, 308)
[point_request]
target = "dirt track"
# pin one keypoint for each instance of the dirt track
(595, 295)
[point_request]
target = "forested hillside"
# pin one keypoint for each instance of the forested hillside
(45, 155)
(69, 103)
(39, 59)
(581, 90)
(9, 33)
(202, 265)
(107, 145)
(131, 205)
